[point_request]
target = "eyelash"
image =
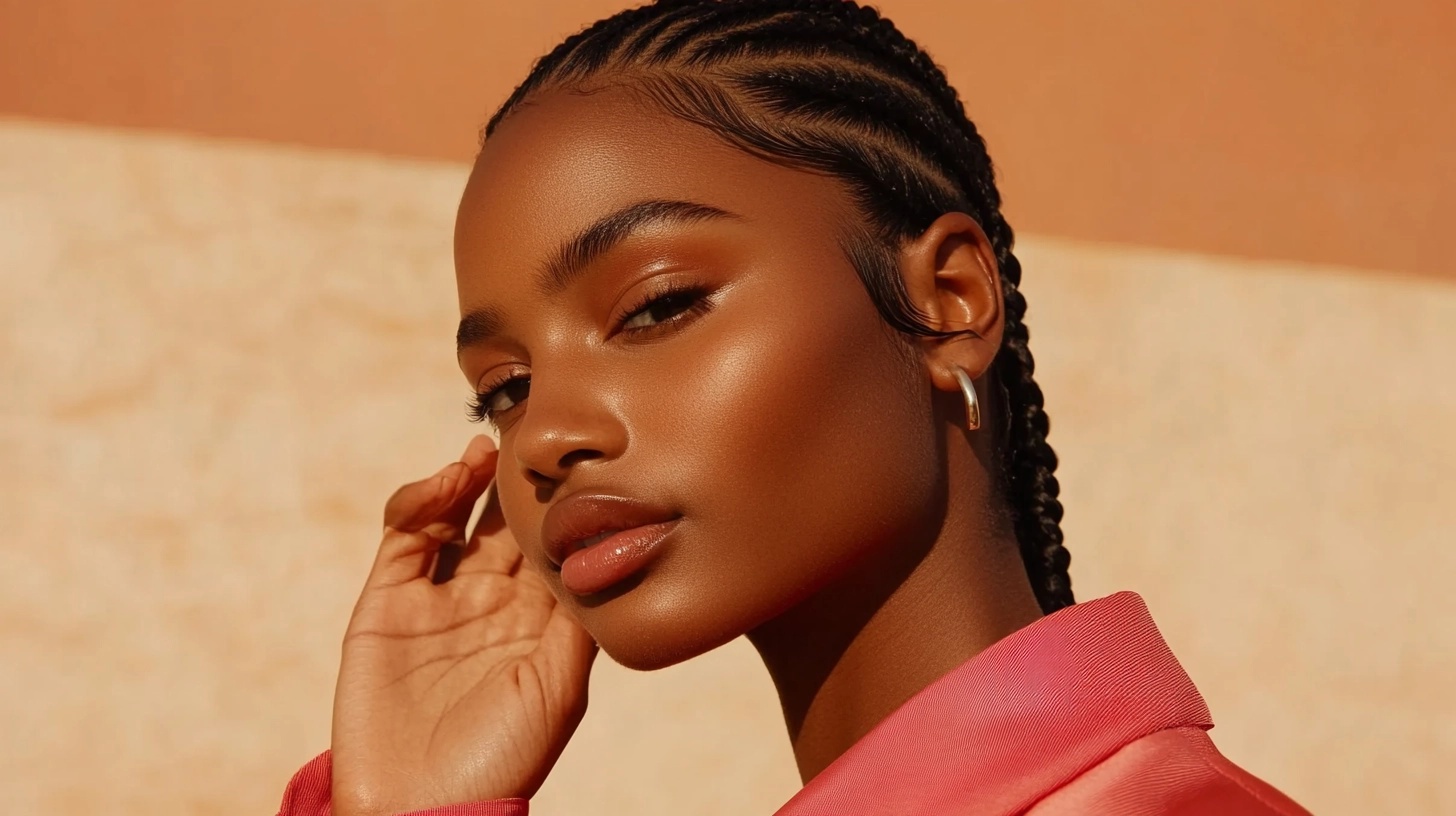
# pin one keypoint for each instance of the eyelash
(479, 409)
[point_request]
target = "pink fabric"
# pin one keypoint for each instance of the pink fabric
(1176, 771)
(1084, 711)
(1072, 708)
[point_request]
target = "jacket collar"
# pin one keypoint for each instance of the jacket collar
(1017, 721)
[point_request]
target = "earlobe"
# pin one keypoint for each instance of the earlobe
(951, 275)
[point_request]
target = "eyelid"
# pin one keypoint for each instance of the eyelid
(487, 384)
(477, 407)
(679, 282)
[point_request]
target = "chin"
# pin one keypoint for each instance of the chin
(647, 630)
(650, 658)
(644, 652)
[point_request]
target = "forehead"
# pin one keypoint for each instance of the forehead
(563, 161)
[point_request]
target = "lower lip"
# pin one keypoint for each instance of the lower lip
(615, 559)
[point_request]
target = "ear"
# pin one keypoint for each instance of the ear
(951, 275)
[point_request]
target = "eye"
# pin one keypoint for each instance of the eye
(496, 399)
(665, 307)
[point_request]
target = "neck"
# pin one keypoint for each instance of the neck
(846, 658)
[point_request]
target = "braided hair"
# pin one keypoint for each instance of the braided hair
(832, 86)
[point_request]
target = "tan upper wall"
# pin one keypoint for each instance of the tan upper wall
(1318, 130)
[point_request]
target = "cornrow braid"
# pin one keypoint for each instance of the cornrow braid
(834, 87)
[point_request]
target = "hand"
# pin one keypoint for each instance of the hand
(462, 679)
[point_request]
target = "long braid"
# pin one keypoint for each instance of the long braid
(833, 86)
(1031, 462)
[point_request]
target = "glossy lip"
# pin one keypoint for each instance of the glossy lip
(581, 516)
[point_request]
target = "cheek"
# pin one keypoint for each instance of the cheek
(523, 512)
(801, 437)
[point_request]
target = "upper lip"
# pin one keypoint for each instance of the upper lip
(581, 516)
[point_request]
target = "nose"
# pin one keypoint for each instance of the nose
(567, 422)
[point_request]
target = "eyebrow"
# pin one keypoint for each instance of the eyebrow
(577, 253)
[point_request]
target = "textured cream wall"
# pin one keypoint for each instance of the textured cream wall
(219, 358)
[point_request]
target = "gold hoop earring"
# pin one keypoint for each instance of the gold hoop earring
(973, 405)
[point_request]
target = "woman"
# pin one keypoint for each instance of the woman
(738, 296)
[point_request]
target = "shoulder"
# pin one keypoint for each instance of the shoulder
(1174, 772)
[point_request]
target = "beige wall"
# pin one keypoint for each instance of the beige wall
(220, 357)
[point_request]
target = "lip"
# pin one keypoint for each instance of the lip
(582, 516)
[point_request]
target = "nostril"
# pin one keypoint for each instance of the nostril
(576, 456)
(546, 469)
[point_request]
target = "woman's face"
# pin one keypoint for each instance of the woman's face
(684, 347)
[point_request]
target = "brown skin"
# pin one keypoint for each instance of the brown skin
(833, 507)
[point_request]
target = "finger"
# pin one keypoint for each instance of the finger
(406, 547)
(479, 449)
(450, 528)
(418, 503)
(480, 460)
(422, 515)
(414, 505)
(492, 547)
